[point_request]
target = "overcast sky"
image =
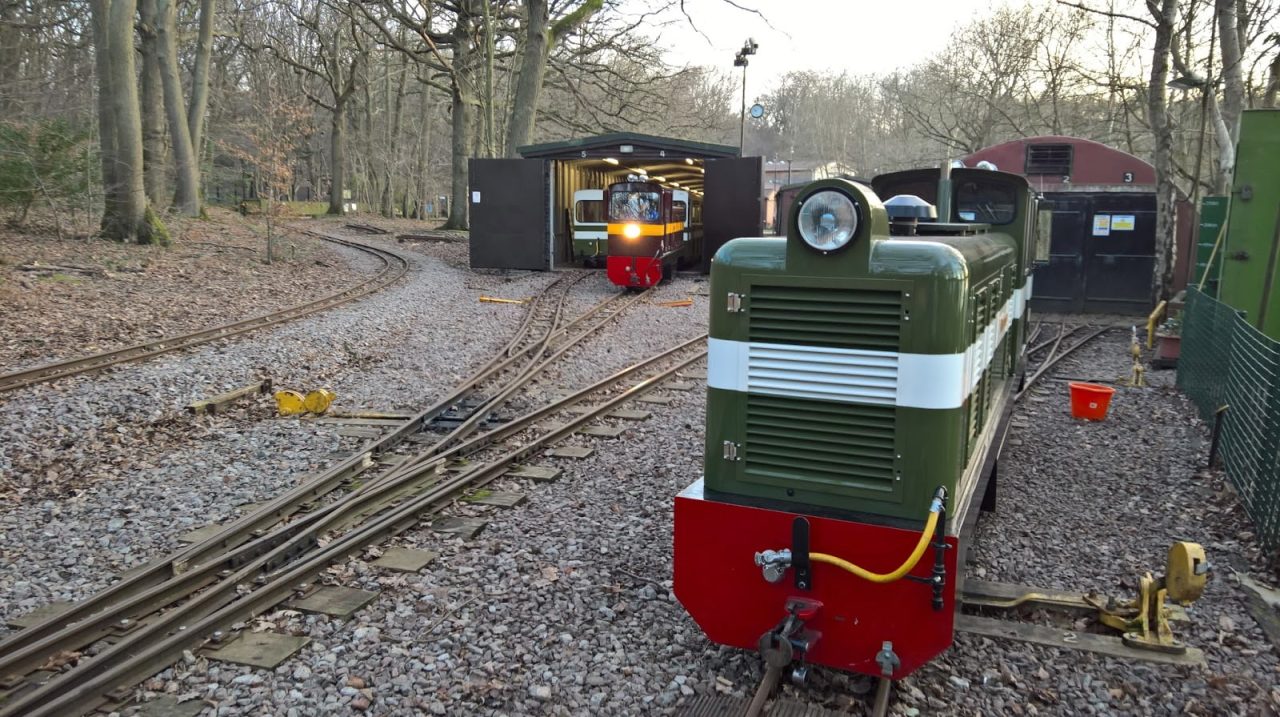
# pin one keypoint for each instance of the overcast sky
(854, 35)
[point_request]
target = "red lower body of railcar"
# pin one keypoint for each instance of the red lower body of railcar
(720, 586)
(634, 271)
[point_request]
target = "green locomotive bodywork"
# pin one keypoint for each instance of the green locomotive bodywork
(859, 381)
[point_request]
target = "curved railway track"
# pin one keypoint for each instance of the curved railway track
(393, 266)
(1055, 355)
(261, 559)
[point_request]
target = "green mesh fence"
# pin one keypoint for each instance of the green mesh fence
(1227, 362)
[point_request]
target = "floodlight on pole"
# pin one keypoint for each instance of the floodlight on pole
(740, 60)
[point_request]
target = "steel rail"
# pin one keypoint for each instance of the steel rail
(169, 581)
(99, 605)
(154, 645)
(393, 267)
(1055, 358)
(532, 370)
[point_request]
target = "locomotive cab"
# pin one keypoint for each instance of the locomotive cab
(858, 376)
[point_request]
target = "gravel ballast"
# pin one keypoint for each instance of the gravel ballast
(94, 463)
(564, 605)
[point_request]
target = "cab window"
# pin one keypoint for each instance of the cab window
(985, 203)
(589, 211)
(679, 212)
(634, 206)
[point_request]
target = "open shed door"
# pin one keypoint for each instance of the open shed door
(730, 203)
(509, 214)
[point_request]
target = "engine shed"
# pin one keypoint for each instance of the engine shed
(522, 210)
(1103, 251)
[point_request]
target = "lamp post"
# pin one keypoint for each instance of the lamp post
(740, 60)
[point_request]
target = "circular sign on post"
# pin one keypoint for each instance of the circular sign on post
(757, 110)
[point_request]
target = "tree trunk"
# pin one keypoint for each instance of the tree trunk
(106, 115)
(338, 156)
(200, 76)
(533, 64)
(1273, 83)
(1233, 92)
(152, 98)
(186, 198)
(126, 217)
(1162, 130)
(463, 113)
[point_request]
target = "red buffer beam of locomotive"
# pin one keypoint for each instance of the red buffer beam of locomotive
(726, 593)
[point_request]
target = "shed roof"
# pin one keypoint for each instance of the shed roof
(1094, 165)
(643, 146)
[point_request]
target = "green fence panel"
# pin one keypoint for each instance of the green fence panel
(1227, 362)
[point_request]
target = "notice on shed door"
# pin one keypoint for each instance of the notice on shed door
(1101, 225)
(1122, 222)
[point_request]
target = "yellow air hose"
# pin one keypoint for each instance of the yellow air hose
(929, 526)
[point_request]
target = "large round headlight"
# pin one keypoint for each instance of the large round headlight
(828, 220)
(631, 231)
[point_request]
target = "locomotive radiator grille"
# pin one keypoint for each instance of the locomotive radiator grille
(822, 380)
(817, 316)
(795, 439)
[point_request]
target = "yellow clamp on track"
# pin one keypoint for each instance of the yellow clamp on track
(290, 403)
(496, 300)
(319, 400)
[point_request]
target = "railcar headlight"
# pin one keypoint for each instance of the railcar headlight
(631, 231)
(828, 220)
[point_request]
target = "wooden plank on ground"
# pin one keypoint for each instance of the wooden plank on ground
(260, 649)
(657, 400)
(465, 528)
(1071, 640)
(602, 431)
(361, 421)
(213, 405)
(334, 600)
(359, 432)
(405, 560)
(570, 452)
(499, 498)
(39, 615)
(544, 474)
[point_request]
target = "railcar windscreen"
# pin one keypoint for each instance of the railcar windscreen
(589, 211)
(634, 206)
(986, 203)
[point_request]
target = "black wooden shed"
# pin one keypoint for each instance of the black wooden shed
(520, 207)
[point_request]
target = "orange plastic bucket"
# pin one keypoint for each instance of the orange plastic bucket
(1090, 401)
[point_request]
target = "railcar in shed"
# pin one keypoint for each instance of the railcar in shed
(650, 231)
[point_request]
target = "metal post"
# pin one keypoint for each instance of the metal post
(742, 123)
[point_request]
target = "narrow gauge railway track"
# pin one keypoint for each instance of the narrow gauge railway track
(205, 576)
(1055, 355)
(142, 591)
(393, 266)
(295, 553)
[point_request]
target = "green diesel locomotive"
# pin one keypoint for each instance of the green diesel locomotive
(859, 375)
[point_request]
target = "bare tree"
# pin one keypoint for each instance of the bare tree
(185, 165)
(127, 216)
